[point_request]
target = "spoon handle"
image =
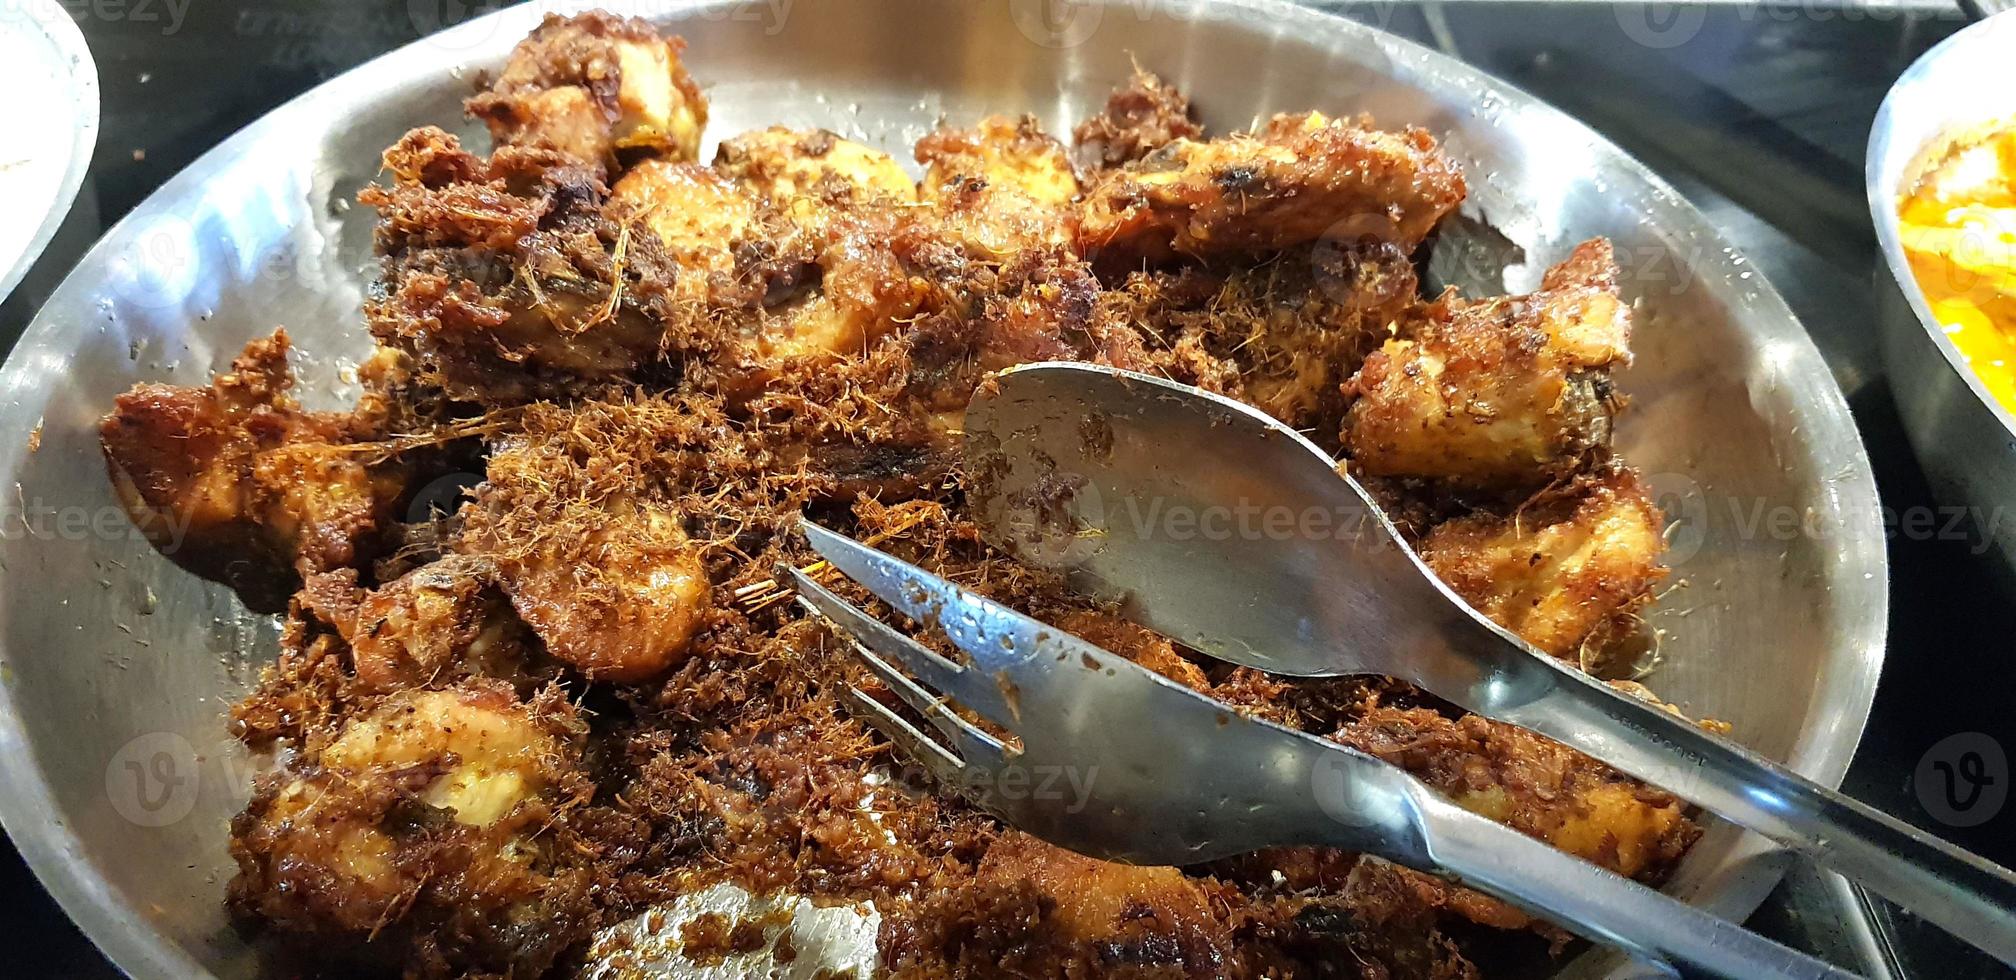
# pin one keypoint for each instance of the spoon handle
(1961, 892)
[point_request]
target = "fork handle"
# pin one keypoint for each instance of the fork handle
(1600, 905)
(1963, 893)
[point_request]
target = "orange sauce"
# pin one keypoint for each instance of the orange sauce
(1958, 226)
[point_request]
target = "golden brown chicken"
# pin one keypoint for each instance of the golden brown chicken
(235, 482)
(439, 624)
(1535, 785)
(1302, 179)
(1510, 391)
(596, 87)
(431, 815)
(836, 284)
(1567, 570)
(997, 189)
(698, 216)
(587, 544)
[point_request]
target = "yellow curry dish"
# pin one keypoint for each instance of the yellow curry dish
(1958, 227)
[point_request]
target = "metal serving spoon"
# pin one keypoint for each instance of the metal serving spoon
(1231, 533)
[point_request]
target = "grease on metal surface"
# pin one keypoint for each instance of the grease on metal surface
(798, 940)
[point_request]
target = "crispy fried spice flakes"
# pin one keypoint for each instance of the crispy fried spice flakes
(579, 690)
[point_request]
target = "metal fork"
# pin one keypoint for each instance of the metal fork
(1171, 777)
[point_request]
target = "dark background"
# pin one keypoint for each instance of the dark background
(1757, 112)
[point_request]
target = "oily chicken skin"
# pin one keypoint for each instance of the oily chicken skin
(999, 187)
(1532, 784)
(652, 366)
(810, 168)
(697, 215)
(1514, 391)
(836, 283)
(436, 625)
(1155, 921)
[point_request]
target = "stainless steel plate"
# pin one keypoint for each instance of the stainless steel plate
(116, 668)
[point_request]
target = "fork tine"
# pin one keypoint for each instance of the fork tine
(971, 689)
(946, 767)
(1006, 646)
(973, 744)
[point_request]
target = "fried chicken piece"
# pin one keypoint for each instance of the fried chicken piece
(594, 87)
(595, 560)
(1536, 786)
(804, 167)
(998, 188)
(698, 215)
(1508, 391)
(504, 279)
(1093, 914)
(1139, 118)
(1564, 570)
(1281, 336)
(884, 418)
(1003, 151)
(438, 624)
(834, 282)
(235, 482)
(427, 822)
(1303, 179)
(863, 292)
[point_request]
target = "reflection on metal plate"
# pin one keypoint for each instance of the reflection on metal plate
(738, 936)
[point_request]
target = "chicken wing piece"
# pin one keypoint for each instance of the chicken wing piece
(1512, 391)
(1303, 179)
(998, 188)
(1139, 118)
(1536, 786)
(504, 279)
(235, 482)
(594, 87)
(434, 812)
(1567, 570)
(590, 550)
